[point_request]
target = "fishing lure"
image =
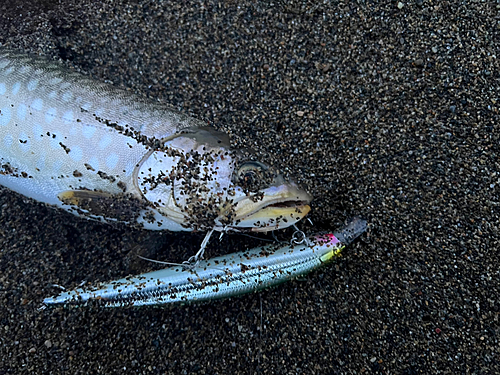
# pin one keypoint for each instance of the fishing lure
(104, 153)
(221, 277)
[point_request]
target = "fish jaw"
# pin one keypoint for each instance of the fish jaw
(276, 207)
(274, 217)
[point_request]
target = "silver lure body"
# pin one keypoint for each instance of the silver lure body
(216, 278)
(221, 277)
(53, 139)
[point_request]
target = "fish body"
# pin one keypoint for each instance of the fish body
(106, 154)
(221, 277)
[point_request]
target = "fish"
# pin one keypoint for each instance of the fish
(220, 277)
(107, 154)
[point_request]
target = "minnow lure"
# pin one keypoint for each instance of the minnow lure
(106, 154)
(221, 277)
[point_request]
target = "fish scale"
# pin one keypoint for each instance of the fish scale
(107, 154)
(51, 134)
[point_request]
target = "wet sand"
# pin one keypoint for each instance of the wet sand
(389, 111)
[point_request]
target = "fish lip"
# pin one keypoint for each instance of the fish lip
(302, 206)
(296, 203)
(291, 203)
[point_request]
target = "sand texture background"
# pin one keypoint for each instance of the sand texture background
(385, 109)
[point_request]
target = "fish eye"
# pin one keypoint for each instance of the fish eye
(249, 177)
(249, 173)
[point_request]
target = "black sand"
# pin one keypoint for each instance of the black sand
(390, 111)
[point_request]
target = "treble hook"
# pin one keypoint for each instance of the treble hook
(299, 237)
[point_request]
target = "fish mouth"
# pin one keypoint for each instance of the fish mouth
(278, 215)
(273, 211)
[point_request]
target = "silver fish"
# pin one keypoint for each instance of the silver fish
(106, 154)
(221, 277)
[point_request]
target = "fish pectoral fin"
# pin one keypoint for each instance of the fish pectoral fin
(122, 206)
(82, 198)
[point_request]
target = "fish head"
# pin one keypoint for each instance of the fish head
(198, 181)
(261, 199)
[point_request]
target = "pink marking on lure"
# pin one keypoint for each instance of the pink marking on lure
(327, 240)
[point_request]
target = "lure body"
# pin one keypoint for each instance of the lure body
(104, 153)
(221, 277)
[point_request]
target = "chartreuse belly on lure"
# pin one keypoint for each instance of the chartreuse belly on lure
(106, 154)
(225, 276)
